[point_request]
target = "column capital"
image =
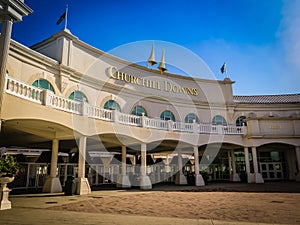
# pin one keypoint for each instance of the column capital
(6, 17)
(14, 9)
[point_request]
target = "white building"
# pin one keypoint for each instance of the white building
(65, 95)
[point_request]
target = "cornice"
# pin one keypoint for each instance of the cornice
(66, 33)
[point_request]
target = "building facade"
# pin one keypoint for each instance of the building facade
(135, 126)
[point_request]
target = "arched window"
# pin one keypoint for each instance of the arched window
(167, 115)
(219, 120)
(112, 105)
(44, 84)
(241, 121)
(138, 110)
(191, 117)
(78, 96)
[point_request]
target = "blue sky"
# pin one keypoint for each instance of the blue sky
(258, 39)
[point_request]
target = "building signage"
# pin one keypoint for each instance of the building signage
(165, 85)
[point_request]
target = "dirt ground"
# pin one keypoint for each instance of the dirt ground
(227, 206)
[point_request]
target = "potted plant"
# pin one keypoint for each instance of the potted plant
(9, 168)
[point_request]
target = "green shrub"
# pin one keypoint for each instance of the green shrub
(9, 167)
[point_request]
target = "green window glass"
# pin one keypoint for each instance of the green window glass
(241, 121)
(112, 105)
(219, 120)
(44, 84)
(139, 110)
(191, 117)
(167, 115)
(78, 96)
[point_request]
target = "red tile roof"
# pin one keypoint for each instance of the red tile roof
(268, 99)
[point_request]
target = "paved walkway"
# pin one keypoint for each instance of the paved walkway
(32, 208)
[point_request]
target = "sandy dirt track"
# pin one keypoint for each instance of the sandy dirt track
(228, 206)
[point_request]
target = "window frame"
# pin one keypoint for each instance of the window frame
(135, 111)
(163, 116)
(109, 103)
(216, 121)
(241, 121)
(40, 85)
(83, 99)
(189, 120)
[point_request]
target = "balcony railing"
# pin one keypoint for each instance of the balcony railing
(48, 98)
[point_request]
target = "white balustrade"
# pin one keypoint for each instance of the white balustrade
(64, 104)
(48, 98)
(129, 119)
(184, 127)
(207, 128)
(23, 90)
(100, 113)
(155, 123)
(231, 129)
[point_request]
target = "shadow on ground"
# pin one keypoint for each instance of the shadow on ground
(272, 187)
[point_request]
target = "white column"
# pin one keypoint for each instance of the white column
(52, 183)
(254, 156)
(180, 178)
(198, 177)
(297, 149)
(233, 161)
(83, 186)
(291, 163)
(247, 163)
(123, 160)
(229, 162)
(257, 176)
(123, 180)
(158, 173)
(7, 23)
(235, 176)
(54, 158)
(145, 182)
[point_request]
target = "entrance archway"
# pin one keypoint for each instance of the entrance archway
(276, 161)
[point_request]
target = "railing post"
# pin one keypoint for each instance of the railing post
(143, 120)
(46, 97)
(219, 129)
(84, 108)
(170, 124)
(195, 130)
(244, 130)
(115, 116)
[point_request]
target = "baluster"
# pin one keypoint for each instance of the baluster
(21, 89)
(8, 84)
(25, 91)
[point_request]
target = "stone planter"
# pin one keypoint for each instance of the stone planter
(4, 192)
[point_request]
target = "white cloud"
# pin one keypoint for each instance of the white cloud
(273, 68)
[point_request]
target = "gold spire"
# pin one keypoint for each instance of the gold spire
(162, 66)
(151, 59)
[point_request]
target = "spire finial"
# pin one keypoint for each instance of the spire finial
(151, 59)
(162, 67)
